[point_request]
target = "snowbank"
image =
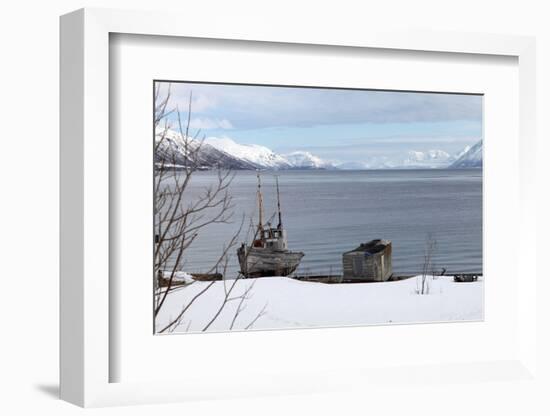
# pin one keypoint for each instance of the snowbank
(288, 303)
(179, 277)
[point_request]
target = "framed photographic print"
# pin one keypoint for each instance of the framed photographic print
(290, 207)
(285, 201)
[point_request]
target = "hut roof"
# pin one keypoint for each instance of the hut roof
(372, 247)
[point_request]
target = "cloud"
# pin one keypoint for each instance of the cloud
(209, 124)
(253, 107)
(180, 93)
(202, 102)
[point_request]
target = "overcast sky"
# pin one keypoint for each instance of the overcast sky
(335, 124)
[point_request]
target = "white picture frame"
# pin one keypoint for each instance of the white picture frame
(85, 218)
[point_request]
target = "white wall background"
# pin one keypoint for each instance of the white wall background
(29, 56)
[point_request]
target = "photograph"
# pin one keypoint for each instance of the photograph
(293, 207)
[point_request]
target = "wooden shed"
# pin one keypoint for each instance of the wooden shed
(370, 262)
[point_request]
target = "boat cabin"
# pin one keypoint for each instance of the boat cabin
(272, 238)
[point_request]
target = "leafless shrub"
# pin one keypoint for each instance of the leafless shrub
(428, 265)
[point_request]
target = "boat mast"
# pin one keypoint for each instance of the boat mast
(260, 207)
(278, 203)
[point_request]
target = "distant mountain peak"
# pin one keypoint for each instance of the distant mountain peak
(433, 158)
(470, 157)
(462, 152)
(305, 160)
(258, 155)
(175, 149)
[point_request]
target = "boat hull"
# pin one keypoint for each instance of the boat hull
(261, 262)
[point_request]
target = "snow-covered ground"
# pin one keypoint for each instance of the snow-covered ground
(280, 302)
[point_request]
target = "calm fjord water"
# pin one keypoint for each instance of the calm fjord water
(327, 213)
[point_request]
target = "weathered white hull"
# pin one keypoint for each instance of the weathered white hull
(262, 262)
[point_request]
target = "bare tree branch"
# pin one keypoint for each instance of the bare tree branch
(178, 219)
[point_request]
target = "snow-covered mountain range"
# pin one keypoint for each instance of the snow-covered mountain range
(265, 158)
(469, 157)
(226, 153)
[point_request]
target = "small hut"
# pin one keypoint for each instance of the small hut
(370, 262)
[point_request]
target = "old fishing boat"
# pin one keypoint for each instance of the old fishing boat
(268, 255)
